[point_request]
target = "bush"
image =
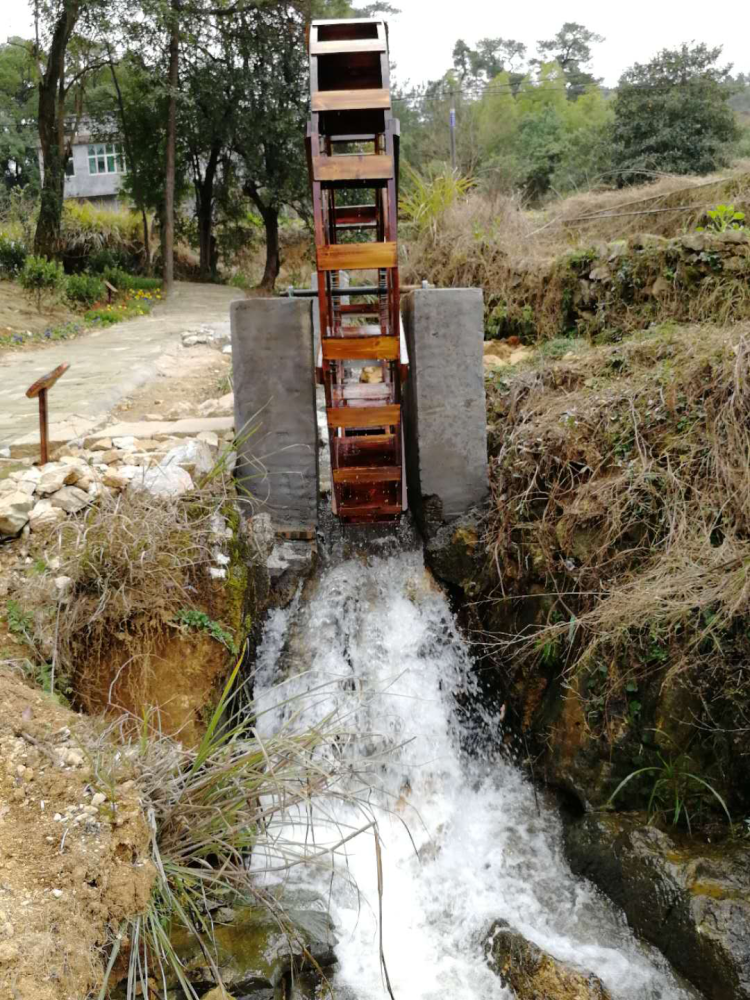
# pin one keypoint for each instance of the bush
(102, 260)
(84, 289)
(12, 256)
(41, 278)
(125, 282)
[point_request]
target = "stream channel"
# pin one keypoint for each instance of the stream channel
(464, 841)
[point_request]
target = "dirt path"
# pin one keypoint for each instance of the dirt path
(110, 367)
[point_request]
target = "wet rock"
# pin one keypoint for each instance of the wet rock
(456, 554)
(692, 902)
(15, 507)
(252, 954)
(289, 564)
(532, 973)
(261, 536)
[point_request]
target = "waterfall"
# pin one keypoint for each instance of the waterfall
(463, 841)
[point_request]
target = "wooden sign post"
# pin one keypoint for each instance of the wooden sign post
(40, 388)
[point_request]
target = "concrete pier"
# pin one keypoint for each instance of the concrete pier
(445, 406)
(274, 392)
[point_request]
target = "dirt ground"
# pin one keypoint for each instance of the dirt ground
(186, 375)
(73, 848)
(18, 314)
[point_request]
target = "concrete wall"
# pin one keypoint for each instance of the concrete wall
(444, 401)
(98, 187)
(274, 389)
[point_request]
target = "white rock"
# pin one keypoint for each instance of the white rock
(178, 410)
(116, 479)
(164, 481)
(15, 508)
(54, 476)
(210, 438)
(98, 799)
(126, 443)
(217, 407)
(27, 486)
(57, 893)
(227, 349)
(62, 583)
(104, 444)
(4, 452)
(30, 475)
(71, 499)
(193, 452)
(44, 515)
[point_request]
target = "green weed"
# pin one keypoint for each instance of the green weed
(192, 618)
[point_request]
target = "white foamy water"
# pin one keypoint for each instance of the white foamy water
(376, 644)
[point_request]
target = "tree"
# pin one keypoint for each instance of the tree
(571, 50)
(270, 57)
(18, 90)
(672, 114)
(490, 57)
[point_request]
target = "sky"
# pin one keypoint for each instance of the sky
(424, 33)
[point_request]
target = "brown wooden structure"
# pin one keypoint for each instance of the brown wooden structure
(39, 390)
(353, 150)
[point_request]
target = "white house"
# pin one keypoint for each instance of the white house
(94, 172)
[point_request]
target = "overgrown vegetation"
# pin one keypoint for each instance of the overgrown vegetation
(620, 532)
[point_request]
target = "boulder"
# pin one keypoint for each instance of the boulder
(211, 438)
(163, 481)
(44, 515)
(71, 499)
(532, 973)
(117, 479)
(690, 900)
(253, 954)
(53, 477)
(15, 507)
(195, 456)
(693, 241)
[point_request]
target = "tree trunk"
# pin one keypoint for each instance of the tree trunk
(169, 184)
(146, 241)
(204, 210)
(52, 132)
(273, 255)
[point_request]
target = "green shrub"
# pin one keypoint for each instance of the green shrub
(109, 257)
(12, 256)
(41, 278)
(84, 289)
(125, 282)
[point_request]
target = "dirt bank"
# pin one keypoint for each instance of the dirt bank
(73, 848)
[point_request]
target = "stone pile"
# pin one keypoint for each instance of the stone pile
(42, 497)
(206, 335)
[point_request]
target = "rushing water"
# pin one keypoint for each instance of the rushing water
(463, 842)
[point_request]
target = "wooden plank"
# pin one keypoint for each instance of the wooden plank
(357, 257)
(368, 474)
(46, 381)
(353, 167)
(364, 416)
(360, 348)
(369, 510)
(352, 215)
(347, 45)
(352, 100)
(353, 447)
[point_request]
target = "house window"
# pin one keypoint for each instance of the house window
(106, 158)
(70, 168)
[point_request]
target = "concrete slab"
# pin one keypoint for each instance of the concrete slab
(274, 392)
(444, 403)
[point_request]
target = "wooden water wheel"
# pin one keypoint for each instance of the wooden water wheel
(353, 149)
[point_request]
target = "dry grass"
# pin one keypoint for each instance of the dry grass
(530, 263)
(624, 475)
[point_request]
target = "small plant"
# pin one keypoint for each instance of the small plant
(427, 199)
(20, 622)
(12, 256)
(41, 278)
(723, 218)
(84, 289)
(193, 618)
(675, 787)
